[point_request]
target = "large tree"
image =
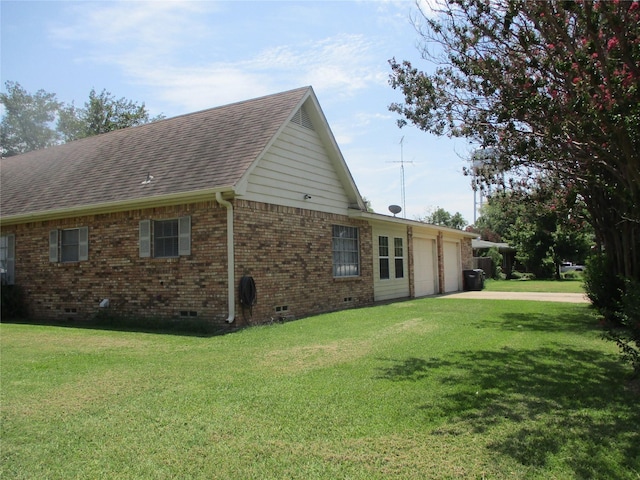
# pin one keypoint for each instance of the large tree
(552, 89)
(545, 226)
(102, 113)
(27, 122)
(440, 216)
(35, 121)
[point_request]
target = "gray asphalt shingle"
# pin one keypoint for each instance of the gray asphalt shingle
(203, 150)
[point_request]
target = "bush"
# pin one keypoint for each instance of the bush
(516, 275)
(496, 262)
(603, 287)
(627, 335)
(618, 300)
(571, 275)
(12, 301)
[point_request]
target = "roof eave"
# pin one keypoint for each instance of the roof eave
(117, 206)
(378, 217)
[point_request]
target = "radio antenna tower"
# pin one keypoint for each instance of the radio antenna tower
(402, 189)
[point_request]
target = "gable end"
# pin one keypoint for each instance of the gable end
(302, 118)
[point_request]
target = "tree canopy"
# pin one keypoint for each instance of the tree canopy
(35, 121)
(440, 216)
(552, 89)
(102, 113)
(544, 228)
(27, 120)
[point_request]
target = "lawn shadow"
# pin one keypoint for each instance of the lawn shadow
(540, 401)
(542, 322)
(135, 325)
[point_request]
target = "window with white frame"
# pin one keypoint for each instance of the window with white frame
(69, 245)
(346, 251)
(7, 259)
(398, 254)
(165, 238)
(383, 256)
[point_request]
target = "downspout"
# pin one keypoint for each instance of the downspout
(230, 257)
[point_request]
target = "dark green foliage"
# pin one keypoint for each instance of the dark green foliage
(440, 216)
(13, 304)
(102, 113)
(603, 288)
(29, 120)
(551, 89)
(628, 336)
(496, 263)
(618, 300)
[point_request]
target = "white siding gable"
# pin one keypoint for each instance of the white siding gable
(297, 171)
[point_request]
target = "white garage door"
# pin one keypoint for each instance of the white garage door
(452, 272)
(425, 273)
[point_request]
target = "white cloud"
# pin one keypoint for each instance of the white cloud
(144, 41)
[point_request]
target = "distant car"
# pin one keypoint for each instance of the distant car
(570, 267)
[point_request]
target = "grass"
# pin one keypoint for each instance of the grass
(430, 388)
(557, 286)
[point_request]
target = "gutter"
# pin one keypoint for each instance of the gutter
(230, 257)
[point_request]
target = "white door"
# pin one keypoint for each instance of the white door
(452, 272)
(424, 270)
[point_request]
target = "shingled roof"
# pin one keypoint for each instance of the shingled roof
(203, 151)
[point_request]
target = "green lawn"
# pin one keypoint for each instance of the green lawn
(429, 388)
(558, 286)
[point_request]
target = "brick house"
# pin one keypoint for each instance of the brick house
(164, 219)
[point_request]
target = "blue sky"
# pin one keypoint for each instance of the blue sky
(184, 56)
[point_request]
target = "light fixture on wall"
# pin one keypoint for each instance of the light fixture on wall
(307, 196)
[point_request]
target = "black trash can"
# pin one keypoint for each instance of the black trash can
(473, 279)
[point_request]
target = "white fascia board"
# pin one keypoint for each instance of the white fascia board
(117, 206)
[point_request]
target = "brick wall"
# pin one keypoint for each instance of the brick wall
(286, 250)
(467, 254)
(134, 286)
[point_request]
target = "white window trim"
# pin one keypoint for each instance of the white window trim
(336, 273)
(384, 257)
(396, 257)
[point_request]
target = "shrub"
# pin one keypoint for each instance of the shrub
(627, 335)
(12, 301)
(618, 300)
(572, 275)
(496, 262)
(603, 287)
(516, 275)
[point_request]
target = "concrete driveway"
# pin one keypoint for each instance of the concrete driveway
(537, 296)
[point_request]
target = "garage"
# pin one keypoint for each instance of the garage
(424, 265)
(452, 266)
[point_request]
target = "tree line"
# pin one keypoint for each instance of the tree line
(32, 121)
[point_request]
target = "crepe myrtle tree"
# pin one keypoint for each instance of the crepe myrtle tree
(552, 88)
